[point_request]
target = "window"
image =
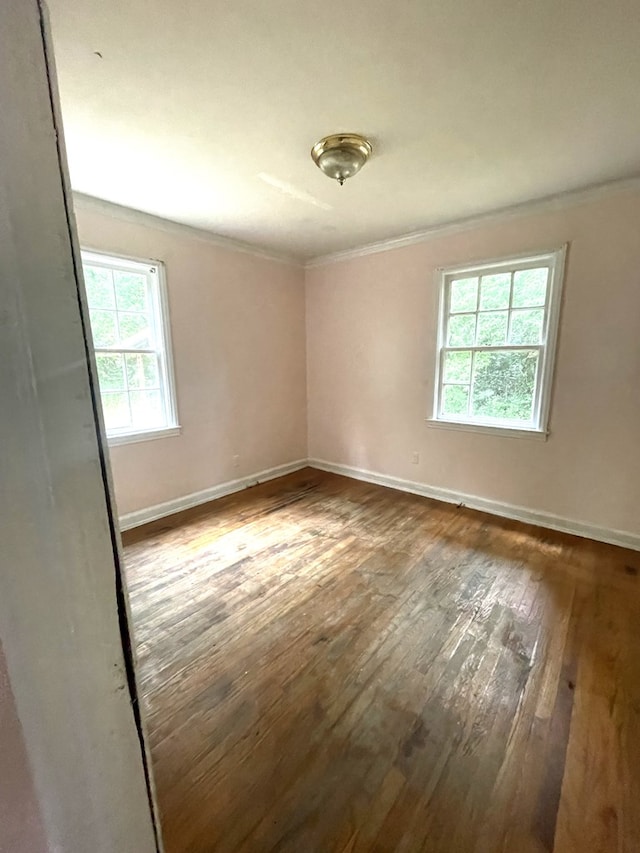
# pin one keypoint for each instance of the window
(130, 327)
(497, 332)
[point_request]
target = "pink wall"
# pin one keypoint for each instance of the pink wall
(238, 329)
(371, 341)
(239, 349)
(21, 828)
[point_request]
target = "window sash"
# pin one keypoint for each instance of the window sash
(468, 417)
(480, 348)
(545, 348)
(125, 351)
(159, 329)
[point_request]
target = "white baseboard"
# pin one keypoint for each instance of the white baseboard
(153, 513)
(622, 538)
(518, 513)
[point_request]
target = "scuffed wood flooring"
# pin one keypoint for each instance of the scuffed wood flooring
(334, 667)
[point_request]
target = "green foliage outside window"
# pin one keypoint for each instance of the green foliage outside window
(498, 311)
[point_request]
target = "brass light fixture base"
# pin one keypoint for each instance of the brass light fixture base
(341, 155)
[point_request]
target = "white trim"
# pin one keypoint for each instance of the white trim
(488, 266)
(507, 432)
(554, 260)
(168, 226)
(558, 201)
(155, 273)
(536, 206)
(548, 368)
(108, 260)
(153, 513)
(146, 435)
(162, 312)
(539, 518)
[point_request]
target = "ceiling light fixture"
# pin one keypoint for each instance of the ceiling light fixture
(341, 155)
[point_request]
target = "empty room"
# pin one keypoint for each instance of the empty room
(355, 297)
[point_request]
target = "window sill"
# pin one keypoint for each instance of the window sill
(146, 435)
(506, 432)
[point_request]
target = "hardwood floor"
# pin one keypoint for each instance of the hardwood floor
(333, 666)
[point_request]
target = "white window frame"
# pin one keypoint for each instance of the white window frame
(154, 271)
(555, 261)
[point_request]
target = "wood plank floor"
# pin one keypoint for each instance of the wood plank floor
(333, 666)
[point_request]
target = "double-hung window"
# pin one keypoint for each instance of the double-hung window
(130, 328)
(498, 325)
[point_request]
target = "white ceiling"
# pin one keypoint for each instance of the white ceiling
(204, 111)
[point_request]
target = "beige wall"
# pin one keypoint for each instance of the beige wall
(237, 323)
(371, 341)
(21, 829)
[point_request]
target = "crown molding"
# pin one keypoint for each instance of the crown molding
(549, 203)
(138, 217)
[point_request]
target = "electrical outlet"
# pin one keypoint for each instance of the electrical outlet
(415, 457)
(236, 461)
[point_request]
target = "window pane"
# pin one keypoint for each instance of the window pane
(103, 328)
(530, 287)
(526, 326)
(146, 409)
(492, 328)
(110, 372)
(494, 291)
(131, 291)
(462, 331)
(464, 295)
(457, 367)
(115, 407)
(99, 287)
(134, 331)
(504, 385)
(142, 371)
(455, 399)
